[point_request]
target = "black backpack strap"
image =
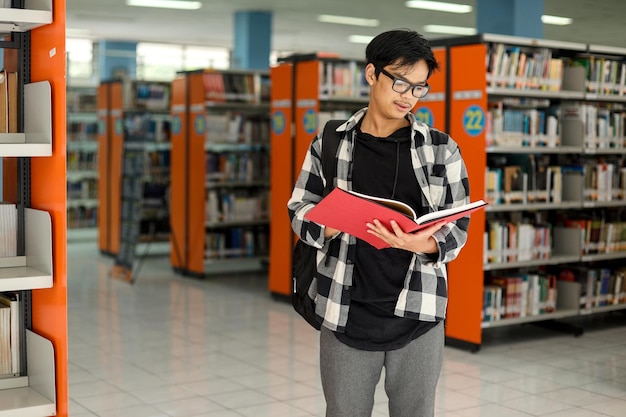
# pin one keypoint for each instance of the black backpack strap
(330, 143)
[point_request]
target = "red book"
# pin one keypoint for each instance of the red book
(350, 212)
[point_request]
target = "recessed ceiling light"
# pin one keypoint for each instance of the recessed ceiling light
(347, 20)
(166, 4)
(439, 6)
(556, 20)
(450, 30)
(360, 38)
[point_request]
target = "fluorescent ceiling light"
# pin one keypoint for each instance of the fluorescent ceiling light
(360, 38)
(347, 20)
(556, 20)
(439, 6)
(451, 30)
(76, 33)
(166, 4)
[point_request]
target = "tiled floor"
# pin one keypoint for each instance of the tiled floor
(222, 347)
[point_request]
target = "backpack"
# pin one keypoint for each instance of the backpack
(303, 262)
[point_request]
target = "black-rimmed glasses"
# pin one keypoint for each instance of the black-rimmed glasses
(402, 86)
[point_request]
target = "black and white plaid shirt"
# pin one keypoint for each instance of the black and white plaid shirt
(442, 175)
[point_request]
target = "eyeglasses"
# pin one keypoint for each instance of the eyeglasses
(402, 86)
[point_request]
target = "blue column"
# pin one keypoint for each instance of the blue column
(117, 59)
(510, 17)
(253, 40)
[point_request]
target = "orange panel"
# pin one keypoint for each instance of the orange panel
(281, 174)
(432, 108)
(307, 108)
(178, 170)
(467, 122)
(104, 226)
(196, 171)
(116, 129)
(48, 182)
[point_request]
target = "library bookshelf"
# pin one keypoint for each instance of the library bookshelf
(34, 178)
(535, 144)
(220, 172)
(133, 115)
(306, 90)
(82, 163)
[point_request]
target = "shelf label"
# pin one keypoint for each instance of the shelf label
(425, 115)
(310, 121)
(279, 122)
(199, 124)
(118, 126)
(434, 97)
(468, 95)
(176, 124)
(306, 102)
(281, 104)
(474, 120)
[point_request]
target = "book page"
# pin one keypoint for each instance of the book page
(441, 214)
(393, 204)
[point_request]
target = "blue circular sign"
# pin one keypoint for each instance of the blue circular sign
(177, 125)
(101, 127)
(425, 115)
(279, 122)
(474, 120)
(310, 121)
(199, 124)
(119, 127)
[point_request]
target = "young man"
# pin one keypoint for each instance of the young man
(385, 308)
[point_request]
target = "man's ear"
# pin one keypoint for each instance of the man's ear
(370, 73)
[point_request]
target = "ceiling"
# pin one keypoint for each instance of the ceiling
(295, 28)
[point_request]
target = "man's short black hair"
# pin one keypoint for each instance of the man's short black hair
(401, 47)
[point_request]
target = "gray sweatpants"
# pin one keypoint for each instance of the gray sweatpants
(350, 376)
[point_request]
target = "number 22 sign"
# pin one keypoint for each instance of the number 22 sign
(474, 120)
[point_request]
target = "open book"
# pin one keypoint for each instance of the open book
(350, 212)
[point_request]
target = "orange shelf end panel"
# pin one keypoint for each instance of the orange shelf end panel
(196, 166)
(178, 170)
(49, 188)
(307, 108)
(281, 178)
(104, 215)
(116, 136)
(467, 126)
(432, 108)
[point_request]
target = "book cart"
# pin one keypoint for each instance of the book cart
(541, 127)
(34, 179)
(133, 118)
(220, 172)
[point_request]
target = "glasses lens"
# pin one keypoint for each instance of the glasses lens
(420, 91)
(400, 86)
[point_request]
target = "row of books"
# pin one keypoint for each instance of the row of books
(237, 242)
(597, 235)
(8, 229)
(237, 205)
(603, 75)
(237, 127)
(145, 127)
(523, 179)
(10, 333)
(82, 216)
(230, 167)
(594, 287)
(603, 179)
(84, 188)
(8, 101)
(523, 68)
(516, 127)
(603, 127)
(147, 95)
(506, 241)
(80, 131)
(235, 87)
(82, 160)
(81, 100)
(342, 79)
(519, 295)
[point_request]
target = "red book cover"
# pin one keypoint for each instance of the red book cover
(350, 212)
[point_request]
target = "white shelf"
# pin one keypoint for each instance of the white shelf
(36, 13)
(34, 270)
(35, 395)
(36, 140)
